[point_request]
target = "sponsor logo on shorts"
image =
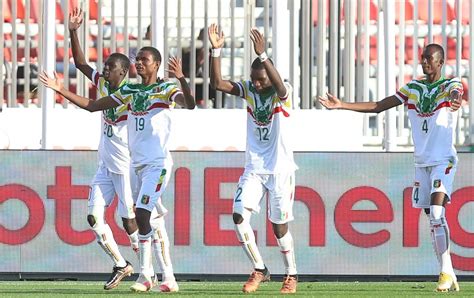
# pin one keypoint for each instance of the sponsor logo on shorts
(145, 199)
(437, 183)
(284, 215)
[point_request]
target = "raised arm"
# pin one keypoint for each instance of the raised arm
(217, 41)
(103, 103)
(186, 99)
(272, 72)
(332, 102)
(75, 21)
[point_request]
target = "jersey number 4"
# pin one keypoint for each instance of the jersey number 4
(415, 195)
(424, 127)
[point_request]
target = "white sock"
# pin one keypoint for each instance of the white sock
(247, 239)
(433, 242)
(161, 247)
(107, 242)
(134, 243)
(288, 253)
(440, 238)
(144, 245)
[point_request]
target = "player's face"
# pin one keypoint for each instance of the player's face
(431, 61)
(145, 64)
(260, 79)
(113, 72)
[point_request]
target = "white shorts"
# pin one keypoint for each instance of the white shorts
(151, 184)
(432, 179)
(105, 185)
(280, 187)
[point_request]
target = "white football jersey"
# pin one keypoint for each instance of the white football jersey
(113, 147)
(433, 124)
(149, 121)
(268, 129)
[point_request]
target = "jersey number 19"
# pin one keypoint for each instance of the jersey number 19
(139, 124)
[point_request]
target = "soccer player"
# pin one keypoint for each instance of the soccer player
(269, 164)
(113, 173)
(149, 125)
(431, 107)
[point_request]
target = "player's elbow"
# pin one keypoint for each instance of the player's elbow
(91, 107)
(378, 108)
(191, 106)
(213, 83)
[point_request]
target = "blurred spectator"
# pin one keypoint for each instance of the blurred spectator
(31, 95)
(186, 59)
(148, 33)
(132, 53)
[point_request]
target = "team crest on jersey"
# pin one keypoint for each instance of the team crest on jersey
(110, 115)
(140, 102)
(145, 199)
(263, 113)
(427, 103)
(437, 183)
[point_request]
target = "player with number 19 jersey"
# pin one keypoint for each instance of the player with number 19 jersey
(433, 124)
(268, 130)
(149, 121)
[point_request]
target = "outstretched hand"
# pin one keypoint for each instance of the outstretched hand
(175, 67)
(215, 37)
(54, 84)
(331, 102)
(456, 100)
(258, 41)
(75, 19)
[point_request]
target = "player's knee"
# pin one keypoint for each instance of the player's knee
(238, 218)
(130, 225)
(91, 220)
(280, 230)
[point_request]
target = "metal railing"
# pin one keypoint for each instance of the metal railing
(330, 47)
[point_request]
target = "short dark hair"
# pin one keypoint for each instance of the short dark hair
(124, 61)
(154, 52)
(438, 48)
(257, 64)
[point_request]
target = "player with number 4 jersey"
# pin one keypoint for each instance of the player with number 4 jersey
(432, 104)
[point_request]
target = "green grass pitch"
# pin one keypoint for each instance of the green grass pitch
(230, 289)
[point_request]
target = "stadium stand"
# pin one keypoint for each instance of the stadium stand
(105, 21)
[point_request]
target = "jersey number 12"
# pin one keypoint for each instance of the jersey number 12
(263, 133)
